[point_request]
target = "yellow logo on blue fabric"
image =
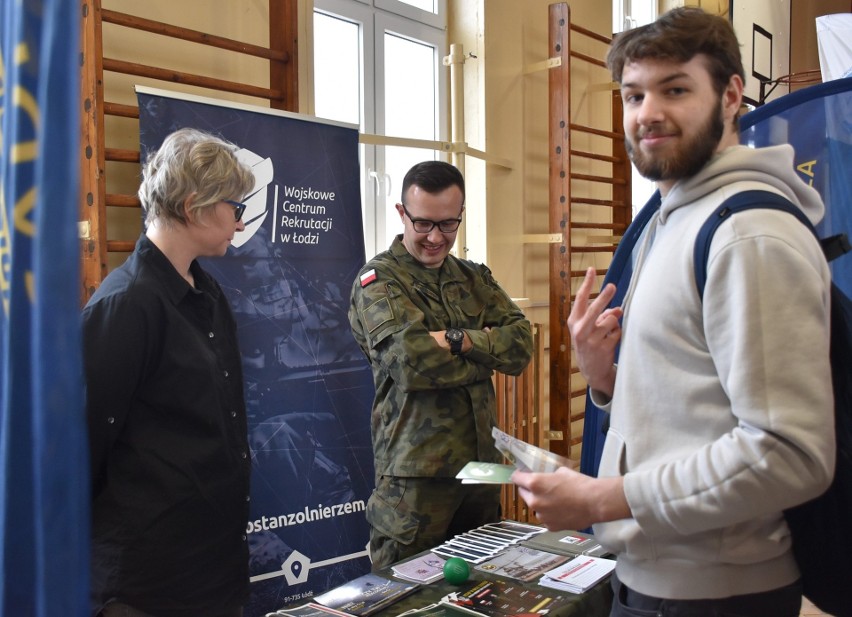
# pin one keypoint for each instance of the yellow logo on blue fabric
(25, 152)
(808, 170)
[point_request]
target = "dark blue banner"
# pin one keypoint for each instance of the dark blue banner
(44, 493)
(309, 389)
(817, 122)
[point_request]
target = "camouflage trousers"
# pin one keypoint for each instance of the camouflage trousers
(411, 515)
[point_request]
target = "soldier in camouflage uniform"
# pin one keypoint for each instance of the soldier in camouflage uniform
(434, 328)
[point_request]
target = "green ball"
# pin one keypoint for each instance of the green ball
(456, 571)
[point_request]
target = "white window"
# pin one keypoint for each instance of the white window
(627, 14)
(378, 64)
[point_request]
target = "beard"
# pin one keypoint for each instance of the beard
(688, 158)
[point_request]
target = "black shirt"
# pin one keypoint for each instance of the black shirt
(169, 449)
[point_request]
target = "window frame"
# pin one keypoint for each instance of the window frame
(376, 18)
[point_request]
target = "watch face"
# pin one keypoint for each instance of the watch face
(453, 335)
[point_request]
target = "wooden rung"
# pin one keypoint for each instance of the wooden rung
(143, 70)
(613, 226)
(194, 36)
(117, 109)
(582, 273)
(122, 201)
(592, 296)
(589, 33)
(598, 202)
(588, 129)
(603, 179)
(121, 246)
(121, 155)
(597, 157)
(603, 239)
(589, 59)
(593, 249)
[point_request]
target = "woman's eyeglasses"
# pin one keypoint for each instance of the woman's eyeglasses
(239, 208)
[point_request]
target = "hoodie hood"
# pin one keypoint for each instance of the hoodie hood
(772, 166)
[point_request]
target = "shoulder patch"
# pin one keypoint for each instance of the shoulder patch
(378, 313)
(368, 277)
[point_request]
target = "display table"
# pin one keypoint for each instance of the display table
(596, 602)
(504, 591)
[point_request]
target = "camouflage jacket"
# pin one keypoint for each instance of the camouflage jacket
(433, 411)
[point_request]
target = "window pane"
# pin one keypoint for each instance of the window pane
(337, 69)
(409, 88)
(425, 12)
(426, 5)
(410, 111)
(643, 12)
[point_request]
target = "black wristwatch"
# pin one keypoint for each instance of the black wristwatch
(455, 338)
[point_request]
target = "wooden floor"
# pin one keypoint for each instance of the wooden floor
(809, 610)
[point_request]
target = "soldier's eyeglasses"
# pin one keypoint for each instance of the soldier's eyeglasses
(424, 226)
(239, 208)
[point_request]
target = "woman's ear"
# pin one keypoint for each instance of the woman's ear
(188, 213)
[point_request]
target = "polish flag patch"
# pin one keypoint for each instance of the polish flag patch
(368, 277)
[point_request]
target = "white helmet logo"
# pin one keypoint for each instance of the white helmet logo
(255, 201)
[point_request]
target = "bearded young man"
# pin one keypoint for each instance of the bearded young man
(721, 411)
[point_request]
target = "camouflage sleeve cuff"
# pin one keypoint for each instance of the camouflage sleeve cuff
(506, 349)
(480, 348)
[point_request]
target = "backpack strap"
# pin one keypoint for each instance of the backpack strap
(746, 200)
(624, 251)
(835, 246)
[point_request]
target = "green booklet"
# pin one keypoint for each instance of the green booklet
(476, 472)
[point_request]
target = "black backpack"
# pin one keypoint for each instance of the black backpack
(821, 528)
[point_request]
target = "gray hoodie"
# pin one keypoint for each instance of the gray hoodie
(722, 413)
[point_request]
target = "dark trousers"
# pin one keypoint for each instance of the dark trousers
(117, 609)
(782, 602)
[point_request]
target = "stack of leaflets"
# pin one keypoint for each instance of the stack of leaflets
(522, 455)
(567, 543)
(366, 594)
(579, 574)
(501, 598)
(483, 543)
(527, 457)
(522, 563)
(423, 569)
